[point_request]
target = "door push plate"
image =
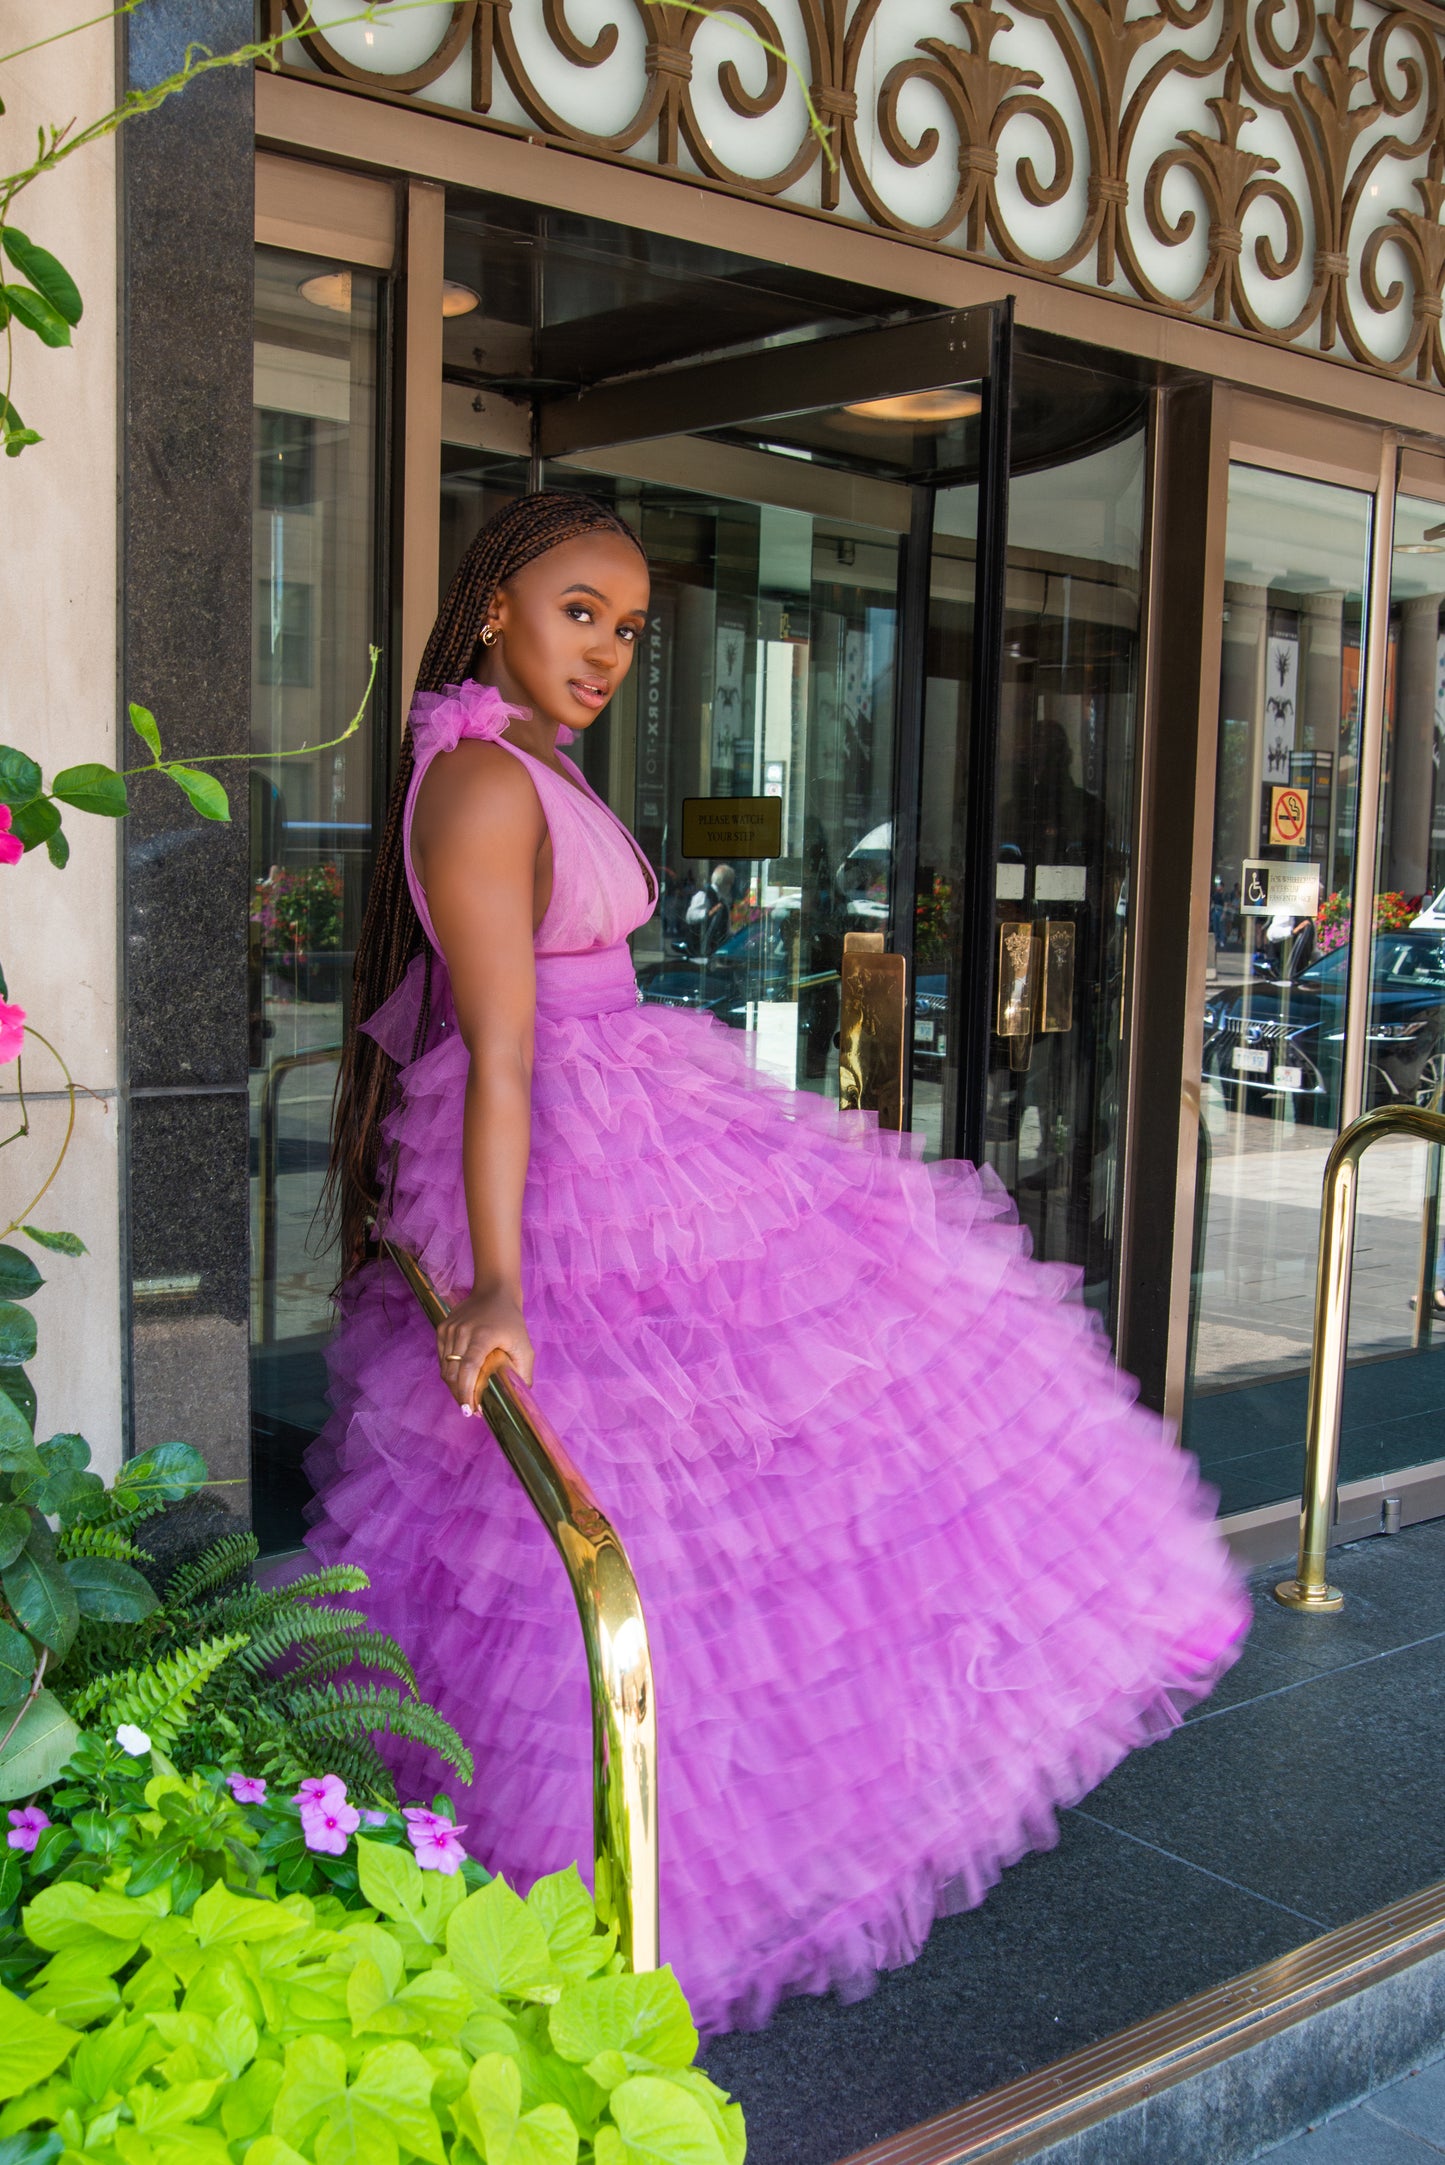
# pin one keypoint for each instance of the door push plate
(1035, 983)
(871, 1031)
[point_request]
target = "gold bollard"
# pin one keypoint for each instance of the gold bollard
(1309, 1590)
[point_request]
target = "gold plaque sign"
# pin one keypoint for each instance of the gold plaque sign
(1017, 978)
(1056, 978)
(732, 826)
(873, 1006)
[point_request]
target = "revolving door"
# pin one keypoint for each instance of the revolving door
(886, 697)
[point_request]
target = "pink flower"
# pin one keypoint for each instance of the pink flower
(438, 1848)
(320, 1789)
(374, 1819)
(12, 1031)
(12, 849)
(27, 1826)
(247, 1788)
(328, 1827)
(422, 1817)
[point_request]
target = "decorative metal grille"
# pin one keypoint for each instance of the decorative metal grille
(1273, 165)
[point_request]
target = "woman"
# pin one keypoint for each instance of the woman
(916, 1570)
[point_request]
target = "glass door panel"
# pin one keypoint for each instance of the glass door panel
(1280, 954)
(314, 522)
(1397, 1295)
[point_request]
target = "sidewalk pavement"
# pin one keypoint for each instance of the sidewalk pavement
(1402, 2125)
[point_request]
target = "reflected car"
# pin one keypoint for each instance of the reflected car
(1279, 1042)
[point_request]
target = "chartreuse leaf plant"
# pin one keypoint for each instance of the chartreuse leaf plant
(462, 2026)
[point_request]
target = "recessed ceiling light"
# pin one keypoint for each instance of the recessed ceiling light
(956, 404)
(329, 289)
(332, 289)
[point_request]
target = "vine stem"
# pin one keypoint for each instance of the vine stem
(28, 1702)
(816, 123)
(216, 759)
(70, 1088)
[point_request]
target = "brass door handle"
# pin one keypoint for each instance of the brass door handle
(873, 1012)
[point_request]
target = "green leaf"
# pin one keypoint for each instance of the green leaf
(661, 2124)
(110, 1592)
(18, 1388)
(221, 1918)
(14, 1533)
(38, 1750)
(42, 1601)
(69, 1494)
(204, 791)
(644, 2016)
(92, 788)
(393, 1882)
(17, 1438)
(31, 2046)
(18, 440)
(35, 312)
(69, 1915)
(18, 1335)
(570, 1922)
(143, 722)
(17, 1656)
(19, 777)
(19, 1277)
(48, 276)
(57, 1243)
(246, 2106)
(163, 1474)
(499, 1947)
(38, 2145)
(36, 822)
(57, 849)
(67, 1452)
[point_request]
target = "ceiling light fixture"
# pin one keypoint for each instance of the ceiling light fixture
(955, 404)
(332, 290)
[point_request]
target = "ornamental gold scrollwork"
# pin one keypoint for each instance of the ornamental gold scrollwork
(1273, 166)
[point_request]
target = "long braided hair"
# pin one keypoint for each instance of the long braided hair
(391, 932)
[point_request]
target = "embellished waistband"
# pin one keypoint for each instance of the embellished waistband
(599, 982)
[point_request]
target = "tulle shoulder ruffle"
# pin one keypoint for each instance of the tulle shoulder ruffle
(440, 720)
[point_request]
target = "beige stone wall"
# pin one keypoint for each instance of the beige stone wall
(58, 670)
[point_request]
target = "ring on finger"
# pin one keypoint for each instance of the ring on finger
(451, 1356)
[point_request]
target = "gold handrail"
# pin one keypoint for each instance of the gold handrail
(619, 1662)
(1309, 1590)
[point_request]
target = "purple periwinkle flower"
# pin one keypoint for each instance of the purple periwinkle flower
(247, 1788)
(438, 1848)
(418, 1816)
(320, 1789)
(372, 1818)
(328, 1826)
(26, 1828)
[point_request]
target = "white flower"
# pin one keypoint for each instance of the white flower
(132, 1740)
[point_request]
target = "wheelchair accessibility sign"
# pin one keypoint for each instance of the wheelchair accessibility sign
(1279, 890)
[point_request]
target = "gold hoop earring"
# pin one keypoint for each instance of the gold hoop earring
(489, 635)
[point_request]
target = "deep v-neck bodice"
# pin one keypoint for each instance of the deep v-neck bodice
(601, 887)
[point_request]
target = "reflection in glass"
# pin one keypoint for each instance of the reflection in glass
(1280, 952)
(311, 820)
(1064, 814)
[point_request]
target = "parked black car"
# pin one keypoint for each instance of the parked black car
(1276, 1042)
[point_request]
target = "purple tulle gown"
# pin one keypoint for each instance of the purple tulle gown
(916, 1569)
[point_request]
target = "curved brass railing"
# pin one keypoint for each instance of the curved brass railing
(619, 1663)
(1309, 1589)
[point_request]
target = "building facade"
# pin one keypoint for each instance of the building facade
(1037, 433)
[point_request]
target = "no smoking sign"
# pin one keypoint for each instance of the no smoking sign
(1289, 815)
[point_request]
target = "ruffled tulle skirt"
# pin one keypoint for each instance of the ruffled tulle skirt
(916, 1570)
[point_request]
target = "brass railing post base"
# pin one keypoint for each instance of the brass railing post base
(1313, 1600)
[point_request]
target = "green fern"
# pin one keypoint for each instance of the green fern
(307, 1628)
(159, 1698)
(214, 1568)
(353, 1650)
(100, 1541)
(342, 1712)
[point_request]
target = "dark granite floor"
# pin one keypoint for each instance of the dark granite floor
(1305, 1793)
